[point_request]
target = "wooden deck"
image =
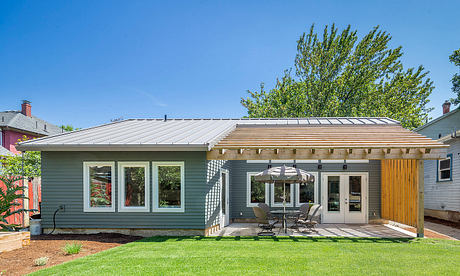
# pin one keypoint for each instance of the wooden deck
(322, 230)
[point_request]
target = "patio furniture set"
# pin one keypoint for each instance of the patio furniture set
(307, 216)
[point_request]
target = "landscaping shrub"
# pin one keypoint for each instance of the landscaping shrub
(72, 248)
(41, 261)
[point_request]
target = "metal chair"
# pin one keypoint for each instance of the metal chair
(313, 217)
(264, 222)
(303, 214)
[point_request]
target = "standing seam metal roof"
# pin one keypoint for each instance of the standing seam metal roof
(178, 132)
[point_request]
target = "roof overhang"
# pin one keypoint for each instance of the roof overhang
(111, 147)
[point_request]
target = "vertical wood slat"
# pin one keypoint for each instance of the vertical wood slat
(400, 191)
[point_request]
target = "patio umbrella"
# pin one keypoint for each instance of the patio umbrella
(285, 175)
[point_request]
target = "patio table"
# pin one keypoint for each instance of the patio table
(284, 214)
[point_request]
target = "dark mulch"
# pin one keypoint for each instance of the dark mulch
(21, 261)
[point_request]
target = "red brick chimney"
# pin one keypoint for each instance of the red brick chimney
(446, 107)
(26, 108)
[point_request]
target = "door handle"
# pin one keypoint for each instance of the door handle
(346, 201)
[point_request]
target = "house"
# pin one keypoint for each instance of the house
(442, 177)
(14, 125)
(194, 176)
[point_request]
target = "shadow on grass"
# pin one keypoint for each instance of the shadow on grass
(276, 239)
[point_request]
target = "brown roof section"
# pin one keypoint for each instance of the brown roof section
(336, 136)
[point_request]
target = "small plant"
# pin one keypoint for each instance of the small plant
(41, 261)
(72, 248)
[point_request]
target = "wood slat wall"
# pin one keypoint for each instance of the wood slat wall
(400, 191)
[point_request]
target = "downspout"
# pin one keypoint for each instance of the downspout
(23, 190)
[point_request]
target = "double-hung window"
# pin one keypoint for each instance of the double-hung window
(308, 192)
(133, 186)
(445, 168)
(257, 192)
(98, 188)
(278, 193)
(168, 187)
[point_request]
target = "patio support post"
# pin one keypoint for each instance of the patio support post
(420, 200)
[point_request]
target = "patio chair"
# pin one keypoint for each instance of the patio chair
(264, 222)
(312, 218)
(303, 214)
(266, 209)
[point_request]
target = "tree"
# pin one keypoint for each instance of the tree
(335, 76)
(27, 164)
(455, 59)
(68, 128)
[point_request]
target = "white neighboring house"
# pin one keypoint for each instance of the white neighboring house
(442, 177)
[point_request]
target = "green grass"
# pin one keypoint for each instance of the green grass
(282, 255)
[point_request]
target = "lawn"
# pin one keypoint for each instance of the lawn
(282, 255)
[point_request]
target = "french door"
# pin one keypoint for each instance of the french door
(224, 198)
(344, 197)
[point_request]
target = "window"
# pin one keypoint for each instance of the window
(168, 191)
(133, 186)
(307, 193)
(98, 191)
(445, 168)
(277, 194)
(257, 192)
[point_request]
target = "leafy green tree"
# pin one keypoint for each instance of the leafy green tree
(27, 164)
(336, 75)
(455, 59)
(68, 128)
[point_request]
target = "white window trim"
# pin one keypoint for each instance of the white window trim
(258, 161)
(86, 206)
(248, 190)
(307, 161)
(281, 161)
(316, 192)
(332, 161)
(272, 197)
(357, 161)
(121, 187)
(156, 207)
(449, 157)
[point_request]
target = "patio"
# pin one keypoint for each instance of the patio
(322, 230)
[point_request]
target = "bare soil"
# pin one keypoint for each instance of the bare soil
(21, 261)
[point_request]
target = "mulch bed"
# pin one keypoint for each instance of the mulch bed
(21, 261)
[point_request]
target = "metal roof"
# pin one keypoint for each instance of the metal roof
(19, 121)
(173, 134)
(5, 152)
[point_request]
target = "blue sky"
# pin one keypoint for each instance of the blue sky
(86, 62)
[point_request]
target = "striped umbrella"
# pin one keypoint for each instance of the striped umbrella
(284, 175)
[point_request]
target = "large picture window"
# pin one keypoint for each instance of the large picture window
(133, 183)
(257, 192)
(168, 192)
(307, 193)
(277, 194)
(445, 169)
(98, 189)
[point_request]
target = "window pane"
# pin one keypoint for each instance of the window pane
(307, 193)
(278, 194)
(100, 179)
(169, 182)
(355, 194)
(444, 164)
(224, 184)
(445, 174)
(257, 191)
(134, 186)
(333, 193)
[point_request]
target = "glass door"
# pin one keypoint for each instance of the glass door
(224, 199)
(344, 197)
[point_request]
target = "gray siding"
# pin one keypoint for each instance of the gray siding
(443, 195)
(239, 170)
(213, 191)
(62, 183)
(443, 127)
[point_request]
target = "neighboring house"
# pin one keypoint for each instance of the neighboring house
(194, 176)
(442, 177)
(14, 125)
